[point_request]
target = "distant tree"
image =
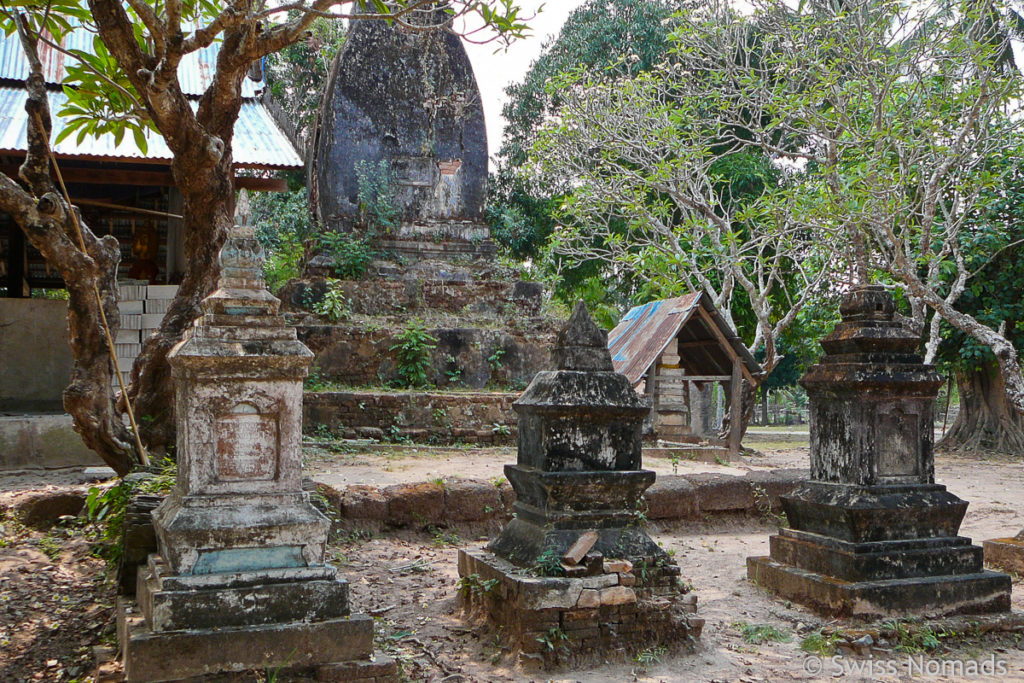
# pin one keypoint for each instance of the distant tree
(885, 141)
(993, 247)
(611, 37)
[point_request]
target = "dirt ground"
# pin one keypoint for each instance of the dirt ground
(55, 605)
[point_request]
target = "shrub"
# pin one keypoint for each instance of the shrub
(414, 345)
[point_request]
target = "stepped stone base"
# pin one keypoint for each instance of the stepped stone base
(336, 645)
(572, 621)
(977, 593)
(1006, 554)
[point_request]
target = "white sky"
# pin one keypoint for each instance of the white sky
(496, 70)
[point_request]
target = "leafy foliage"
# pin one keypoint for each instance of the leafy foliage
(283, 224)
(376, 196)
(413, 346)
(614, 37)
(351, 255)
(335, 305)
(298, 74)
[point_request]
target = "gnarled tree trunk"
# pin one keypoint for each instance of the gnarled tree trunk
(987, 420)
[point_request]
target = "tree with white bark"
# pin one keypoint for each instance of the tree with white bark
(883, 114)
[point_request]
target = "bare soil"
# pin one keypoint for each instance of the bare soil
(55, 605)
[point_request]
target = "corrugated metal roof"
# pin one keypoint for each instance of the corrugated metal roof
(258, 142)
(645, 331)
(195, 72)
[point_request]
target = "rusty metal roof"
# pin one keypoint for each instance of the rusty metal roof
(258, 141)
(195, 72)
(643, 334)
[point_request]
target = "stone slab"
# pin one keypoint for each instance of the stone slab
(155, 657)
(224, 606)
(876, 561)
(979, 593)
(1006, 554)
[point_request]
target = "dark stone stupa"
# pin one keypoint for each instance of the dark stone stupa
(408, 99)
(579, 462)
(871, 533)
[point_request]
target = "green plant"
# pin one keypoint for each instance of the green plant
(443, 537)
(106, 507)
(454, 372)
(474, 585)
(284, 261)
(650, 656)
(376, 195)
(315, 381)
(821, 643)
(549, 563)
(755, 634)
(440, 415)
(500, 429)
(554, 640)
(763, 503)
(413, 346)
(350, 255)
(334, 305)
(494, 360)
(913, 639)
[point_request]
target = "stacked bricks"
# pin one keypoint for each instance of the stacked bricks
(616, 610)
(435, 417)
(141, 307)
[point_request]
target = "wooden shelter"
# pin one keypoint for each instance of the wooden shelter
(673, 351)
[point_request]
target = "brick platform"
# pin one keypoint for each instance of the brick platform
(556, 621)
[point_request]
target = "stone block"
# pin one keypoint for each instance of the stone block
(173, 656)
(618, 566)
(470, 501)
(618, 595)
(42, 509)
(977, 593)
(414, 504)
(578, 550)
(589, 599)
(1006, 554)
(722, 493)
(773, 484)
(360, 501)
(672, 497)
(382, 668)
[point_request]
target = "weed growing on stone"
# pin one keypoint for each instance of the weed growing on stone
(821, 643)
(442, 537)
(913, 640)
(475, 586)
(554, 640)
(649, 657)
(335, 305)
(413, 346)
(763, 503)
(106, 507)
(549, 563)
(755, 634)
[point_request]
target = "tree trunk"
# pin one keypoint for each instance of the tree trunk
(764, 406)
(987, 421)
(748, 403)
(208, 213)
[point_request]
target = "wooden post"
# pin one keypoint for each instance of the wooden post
(735, 408)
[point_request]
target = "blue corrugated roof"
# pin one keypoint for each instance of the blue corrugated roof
(258, 142)
(195, 73)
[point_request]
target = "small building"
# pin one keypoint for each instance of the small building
(674, 351)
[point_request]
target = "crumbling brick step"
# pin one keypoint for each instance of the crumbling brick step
(672, 497)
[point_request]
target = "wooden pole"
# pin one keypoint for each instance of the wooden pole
(735, 408)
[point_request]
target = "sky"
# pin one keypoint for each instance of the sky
(496, 70)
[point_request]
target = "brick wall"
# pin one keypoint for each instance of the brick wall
(422, 416)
